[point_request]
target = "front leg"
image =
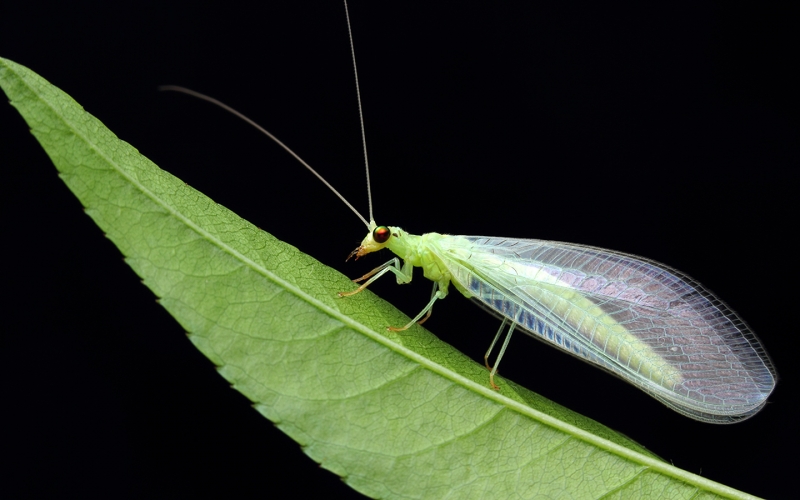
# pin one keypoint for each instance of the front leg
(404, 275)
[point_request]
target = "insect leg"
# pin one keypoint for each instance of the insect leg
(494, 341)
(438, 293)
(500, 354)
(393, 266)
(433, 292)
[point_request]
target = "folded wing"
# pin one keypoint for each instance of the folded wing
(644, 322)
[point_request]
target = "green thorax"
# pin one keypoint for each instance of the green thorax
(417, 251)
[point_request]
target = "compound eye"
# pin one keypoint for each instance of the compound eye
(381, 234)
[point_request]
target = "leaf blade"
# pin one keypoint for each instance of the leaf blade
(396, 415)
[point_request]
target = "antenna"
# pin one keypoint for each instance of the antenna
(177, 88)
(264, 131)
(360, 112)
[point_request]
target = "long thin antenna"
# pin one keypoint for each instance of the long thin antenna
(265, 132)
(360, 112)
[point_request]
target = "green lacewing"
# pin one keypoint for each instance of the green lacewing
(640, 320)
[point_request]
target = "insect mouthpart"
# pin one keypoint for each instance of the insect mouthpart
(358, 252)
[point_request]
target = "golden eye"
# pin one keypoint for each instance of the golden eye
(381, 234)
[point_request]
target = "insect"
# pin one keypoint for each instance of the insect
(640, 320)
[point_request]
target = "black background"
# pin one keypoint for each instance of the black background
(665, 131)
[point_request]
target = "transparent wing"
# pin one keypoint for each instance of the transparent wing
(644, 322)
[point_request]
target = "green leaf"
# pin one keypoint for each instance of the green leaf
(396, 415)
